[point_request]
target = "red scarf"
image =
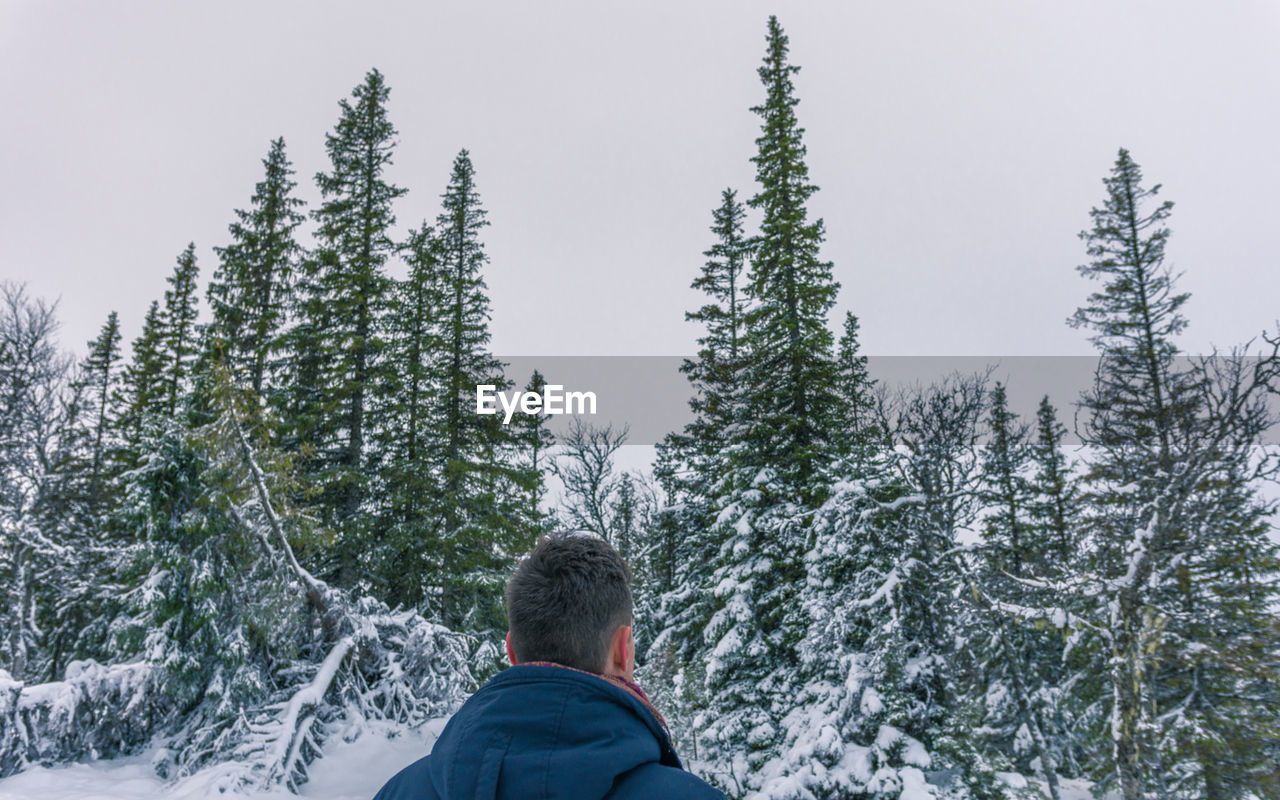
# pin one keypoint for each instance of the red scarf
(617, 680)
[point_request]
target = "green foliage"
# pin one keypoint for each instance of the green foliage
(789, 380)
(181, 566)
(100, 369)
(859, 432)
(179, 330)
(143, 377)
(338, 364)
(251, 286)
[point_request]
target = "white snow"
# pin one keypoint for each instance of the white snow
(914, 786)
(349, 771)
(872, 703)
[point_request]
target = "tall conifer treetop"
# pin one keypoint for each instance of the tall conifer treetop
(180, 325)
(250, 288)
(792, 400)
(1127, 242)
(1135, 315)
(357, 216)
(347, 294)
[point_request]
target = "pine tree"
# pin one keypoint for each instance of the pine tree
(535, 442)
(179, 563)
(409, 548)
(249, 291)
(464, 362)
(878, 702)
(1055, 506)
(482, 493)
(1053, 525)
(878, 706)
(1132, 420)
(859, 432)
(100, 368)
(1162, 535)
(179, 340)
(464, 325)
(715, 373)
(1019, 665)
(303, 406)
(691, 464)
(341, 362)
(780, 453)
(144, 379)
(692, 467)
(788, 394)
(1005, 489)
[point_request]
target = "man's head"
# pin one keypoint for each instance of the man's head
(569, 602)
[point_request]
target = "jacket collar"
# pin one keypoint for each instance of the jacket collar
(622, 683)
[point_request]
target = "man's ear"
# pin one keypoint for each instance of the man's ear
(511, 653)
(621, 653)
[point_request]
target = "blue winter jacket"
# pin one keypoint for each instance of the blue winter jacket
(549, 732)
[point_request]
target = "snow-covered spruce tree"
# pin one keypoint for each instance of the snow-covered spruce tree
(860, 432)
(1172, 523)
(937, 429)
(249, 292)
(779, 453)
(1071, 707)
(887, 651)
(1019, 673)
(186, 566)
(691, 468)
(483, 486)
(336, 360)
(867, 721)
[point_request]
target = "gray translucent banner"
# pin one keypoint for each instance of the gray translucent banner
(650, 395)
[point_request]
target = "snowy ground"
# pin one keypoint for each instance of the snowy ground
(1068, 788)
(349, 771)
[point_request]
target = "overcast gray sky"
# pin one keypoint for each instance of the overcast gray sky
(959, 147)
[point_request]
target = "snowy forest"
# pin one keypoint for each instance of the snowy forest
(274, 521)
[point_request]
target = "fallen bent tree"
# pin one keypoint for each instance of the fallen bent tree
(360, 661)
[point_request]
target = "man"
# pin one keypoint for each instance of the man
(566, 720)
